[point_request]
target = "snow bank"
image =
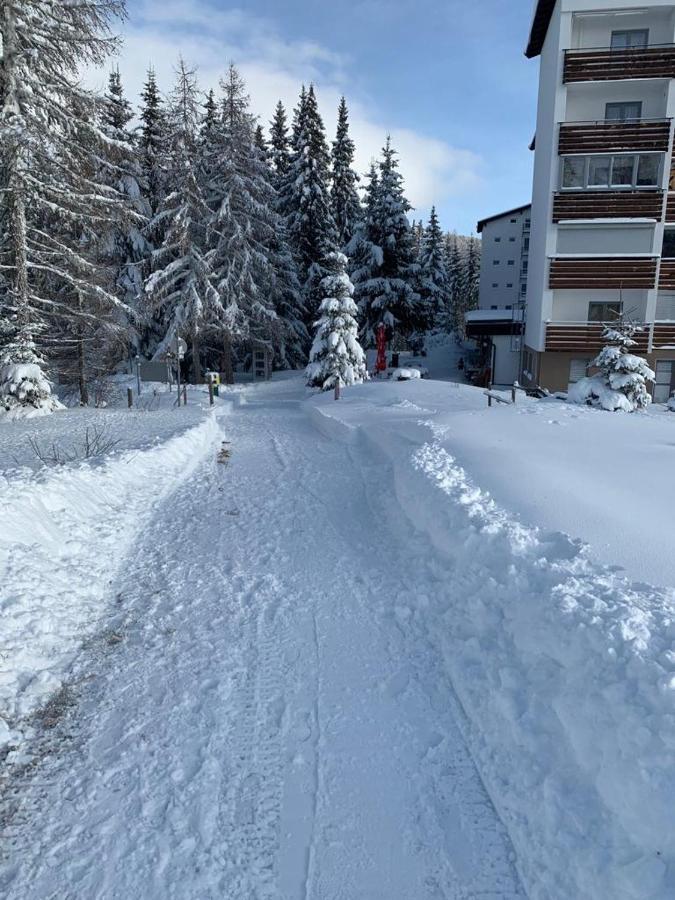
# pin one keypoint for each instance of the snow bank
(564, 668)
(64, 533)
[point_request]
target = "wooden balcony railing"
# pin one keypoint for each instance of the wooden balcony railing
(667, 275)
(602, 272)
(608, 205)
(612, 137)
(586, 336)
(605, 64)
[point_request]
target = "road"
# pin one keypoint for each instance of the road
(270, 718)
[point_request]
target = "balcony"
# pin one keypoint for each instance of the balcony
(667, 275)
(573, 337)
(611, 136)
(605, 64)
(602, 272)
(609, 205)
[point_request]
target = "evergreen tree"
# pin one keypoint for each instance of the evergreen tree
(124, 247)
(345, 203)
(621, 383)
(252, 266)
(280, 147)
(153, 141)
(260, 142)
(336, 357)
(433, 276)
(365, 254)
(49, 139)
(180, 287)
(385, 290)
(306, 200)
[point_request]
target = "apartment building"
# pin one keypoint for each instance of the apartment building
(602, 239)
(497, 324)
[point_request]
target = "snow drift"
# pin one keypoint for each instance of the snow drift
(64, 534)
(564, 668)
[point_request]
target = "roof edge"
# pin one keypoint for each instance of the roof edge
(540, 22)
(509, 212)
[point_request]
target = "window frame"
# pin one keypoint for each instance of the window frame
(667, 230)
(633, 31)
(616, 104)
(633, 186)
(606, 304)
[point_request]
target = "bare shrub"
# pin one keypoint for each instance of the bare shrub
(97, 442)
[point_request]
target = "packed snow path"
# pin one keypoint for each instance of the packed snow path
(275, 722)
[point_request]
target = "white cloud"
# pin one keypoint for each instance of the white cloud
(274, 68)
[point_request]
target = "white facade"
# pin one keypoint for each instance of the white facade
(505, 243)
(597, 25)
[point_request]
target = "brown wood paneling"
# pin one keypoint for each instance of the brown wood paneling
(572, 336)
(664, 335)
(587, 273)
(608, 205)
(667, 275)
(613, 137)
(609, 65)
(670, 207)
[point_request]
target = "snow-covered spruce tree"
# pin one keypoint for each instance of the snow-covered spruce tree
(253, 270)
(280, 146)
(153, 141)
(336, 356)
(306, 201)
(452, 316)
(345, 202)
(124, 246)
(180, 287)
(621, 383)
(388, 297)
(365, 255)
(54, 208)
(432, 280)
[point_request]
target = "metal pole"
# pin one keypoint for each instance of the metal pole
(130, 398)
(178, 367)
(210, 392)
(184, 395)
(138, 374)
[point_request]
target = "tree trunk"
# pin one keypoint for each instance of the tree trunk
(228, 371)
(196, 368)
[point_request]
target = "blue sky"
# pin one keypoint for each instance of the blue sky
(448, 79)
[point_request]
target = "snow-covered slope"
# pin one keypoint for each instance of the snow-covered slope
(563, 666)
(65, 530)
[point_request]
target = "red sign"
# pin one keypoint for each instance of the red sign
(381, 363)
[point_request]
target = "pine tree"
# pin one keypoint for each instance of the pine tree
(124, 247)
(385, 292)
(180, 287)
(366, 257)
(433, 277)
(280, 147)
(621, 383)
(49, 139)
(305, 200)
(253, 269)
(336, 357)
(153, 141)
(345, 203)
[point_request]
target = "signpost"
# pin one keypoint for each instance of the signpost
(181, 347)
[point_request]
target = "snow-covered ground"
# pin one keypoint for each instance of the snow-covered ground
(338, 667)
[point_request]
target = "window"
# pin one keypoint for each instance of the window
(494, 307)
(511, 262)
(620, 112)
(513, 221)
(523, 290)
(508, 306)
(578, 369)
(526, 244)
(598, 171)
(668, 248)
(508, 286)
(630, 39)
(497, 240)
(621, 171)
(495, 284)
(663, 383)
(495, 262)
(603, 312)
(512, 240)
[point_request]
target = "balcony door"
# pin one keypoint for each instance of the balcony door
(622, 112)
(632, 39)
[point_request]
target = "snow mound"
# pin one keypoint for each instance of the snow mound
(65, 532)
(564, 668)
(25, 392)
(405, 374)
(593, 391)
